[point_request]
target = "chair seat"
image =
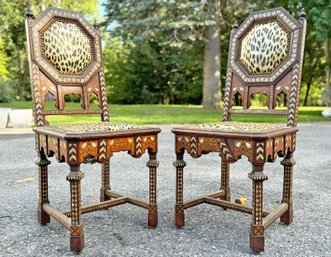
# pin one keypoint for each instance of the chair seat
(87, 127)
(94, 130)
(241, 127)
(234, 128)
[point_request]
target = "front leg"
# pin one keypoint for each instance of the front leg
(152, 164)
(288, 164)
(42, 162)
(257, 229)
(179, 208)
(76, 228)
(225, 179)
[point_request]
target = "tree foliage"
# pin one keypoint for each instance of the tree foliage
(153, 49)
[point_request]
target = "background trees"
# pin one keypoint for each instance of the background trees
(166, 51)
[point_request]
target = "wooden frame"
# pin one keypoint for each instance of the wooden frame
(260, 142)
(79, 143)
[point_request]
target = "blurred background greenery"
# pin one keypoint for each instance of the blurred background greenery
(156, 51)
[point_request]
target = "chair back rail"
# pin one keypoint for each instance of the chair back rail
(65, 58)
(266, 57)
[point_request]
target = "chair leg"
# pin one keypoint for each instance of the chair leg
(76, 229)
(288, 164)
(152, 164)
(179, 208)
(105, 181)
(225, 178)
(42, 162)
(257, 229)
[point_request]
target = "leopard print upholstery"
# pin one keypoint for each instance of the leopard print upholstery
(95, 127)
(241, 127)
(66, 47)
(264, 47)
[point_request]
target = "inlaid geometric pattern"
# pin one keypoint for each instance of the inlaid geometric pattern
(264, 47)
(102, 149)
(66, 47)
(72, 152)
(260, 151)
(95, 127)
(38, 116)
(258, 230)
(138, 146)
(241, 127)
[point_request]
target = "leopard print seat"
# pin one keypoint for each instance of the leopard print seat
(95, 127)
(264, 48)
(241, 127)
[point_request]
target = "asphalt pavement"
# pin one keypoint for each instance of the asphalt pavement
(209, 230)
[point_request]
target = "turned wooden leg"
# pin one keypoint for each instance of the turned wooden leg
(76, 229)
(179, 208)
(257, 229)
(288, 164)
(42, 163)
(225, 177)
(152, 164)
(105, 181)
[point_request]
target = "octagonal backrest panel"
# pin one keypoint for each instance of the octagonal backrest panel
(67, 47)
(264, 48)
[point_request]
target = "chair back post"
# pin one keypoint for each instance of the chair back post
(297, 74)
(226, 115)
(265, 55)
(39, 118)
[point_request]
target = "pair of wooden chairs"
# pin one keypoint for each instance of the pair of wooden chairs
(265, 56)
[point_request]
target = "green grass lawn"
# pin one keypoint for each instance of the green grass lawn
(169, 114)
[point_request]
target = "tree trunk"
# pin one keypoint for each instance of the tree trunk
(327, 92)
(312, 71)
(212, 62)
(307, 94)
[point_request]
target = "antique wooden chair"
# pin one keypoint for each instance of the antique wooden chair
(265, 56)
(65, 58)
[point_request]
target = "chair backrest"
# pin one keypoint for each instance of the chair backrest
(65, 58)
(265, 57)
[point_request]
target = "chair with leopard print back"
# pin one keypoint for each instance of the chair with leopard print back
(265, 57)
(65, 58)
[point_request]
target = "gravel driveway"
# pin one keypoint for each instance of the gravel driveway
(209, 231)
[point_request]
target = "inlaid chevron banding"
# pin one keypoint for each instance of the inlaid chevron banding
(227, 95)
(72, 152)
(102, 149)
(104, 103)
(260, 151)
(138, 146)
(39, 118)
(293, 96)
(225, 150)
(193, 145)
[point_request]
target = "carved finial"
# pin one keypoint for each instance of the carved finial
(235, 25)
(28, 13)
(302, 13)
(99, 25)
(95, 24)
